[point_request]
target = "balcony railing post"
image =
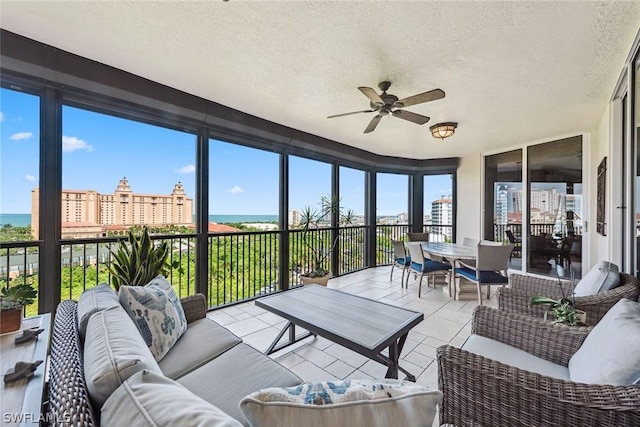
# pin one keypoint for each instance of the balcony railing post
(202, 213)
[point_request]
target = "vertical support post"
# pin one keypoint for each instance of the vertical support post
(283, 222)
(454, 206)
(416, 202)
(202, 212)
(335, 220)
(370, 218)
(50, 292)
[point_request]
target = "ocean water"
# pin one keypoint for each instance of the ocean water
(24, 220)
(17, 220)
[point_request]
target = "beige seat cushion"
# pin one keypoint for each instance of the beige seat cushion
(113, 351)
(244, 370)
(203, 341)
(93, 300)
(495, 350)
(148, 399)
(371, 403)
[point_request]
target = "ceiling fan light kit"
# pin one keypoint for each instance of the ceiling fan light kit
(443, 130)
(386, 104)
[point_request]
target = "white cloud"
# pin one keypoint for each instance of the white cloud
(20, 136)
(71, 143)
(187, 169)
(235, 190)
(29, 178)
(1, 116)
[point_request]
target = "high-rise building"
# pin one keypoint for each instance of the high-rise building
(441, 214)
(294, 217)
(88, 213)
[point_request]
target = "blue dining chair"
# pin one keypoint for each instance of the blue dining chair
(400, 259)
(424, 267)
(489, 269)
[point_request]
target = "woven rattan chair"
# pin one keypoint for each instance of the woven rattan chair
(400, 259)
(482, 392)
(521, 288)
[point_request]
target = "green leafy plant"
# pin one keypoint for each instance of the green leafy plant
(562, 309)
(137, 260)
(17, 297)
(313, 219)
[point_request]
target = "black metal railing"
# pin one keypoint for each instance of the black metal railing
(241, 265)
(499, 230)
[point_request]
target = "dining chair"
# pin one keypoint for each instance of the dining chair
(424, 267)
(468, 241)
(418, 237)
(490, 267)
(516, 241)
(400, 259)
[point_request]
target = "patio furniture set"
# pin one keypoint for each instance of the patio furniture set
(515, 369)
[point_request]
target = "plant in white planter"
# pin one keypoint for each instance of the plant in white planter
(311, 220)
(563, 309)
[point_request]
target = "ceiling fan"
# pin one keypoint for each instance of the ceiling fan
(385, 104)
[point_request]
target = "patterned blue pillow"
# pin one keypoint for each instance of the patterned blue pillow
(374, 403)
(157, 312)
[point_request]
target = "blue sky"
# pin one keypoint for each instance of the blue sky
(99, 150)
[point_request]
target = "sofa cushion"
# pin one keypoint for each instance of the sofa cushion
(373, 403)
(601, 278)
(113, 351)
(157, 312)
(496, 350)
(93, 300)
(148, 399)
(204, 340)
(611, 352)
(244, 370)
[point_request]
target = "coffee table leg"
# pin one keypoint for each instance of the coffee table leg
(292, 338)
(394, 354)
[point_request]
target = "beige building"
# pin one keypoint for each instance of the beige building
(122, 208)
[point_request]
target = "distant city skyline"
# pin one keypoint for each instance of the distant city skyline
(98, 150)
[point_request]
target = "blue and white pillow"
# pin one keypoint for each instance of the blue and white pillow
(374, 403)
(157, 313)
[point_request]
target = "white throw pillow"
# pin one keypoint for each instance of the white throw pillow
(113, 351)
(93, 300)
(374, 403)
(601, 278)
(148, 399)
(157, 312)
(611, 352)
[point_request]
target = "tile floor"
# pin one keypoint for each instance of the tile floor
(318, 359)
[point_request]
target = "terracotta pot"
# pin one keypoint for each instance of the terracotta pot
(322, 280)
(10, 320)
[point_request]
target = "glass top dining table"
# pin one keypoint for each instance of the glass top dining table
(452, 252)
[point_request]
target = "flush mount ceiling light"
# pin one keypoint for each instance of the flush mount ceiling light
(443, 130)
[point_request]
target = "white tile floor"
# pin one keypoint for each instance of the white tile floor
(318, 359)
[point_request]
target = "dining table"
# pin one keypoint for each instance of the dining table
(452, 252)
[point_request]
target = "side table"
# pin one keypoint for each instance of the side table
(21, 402)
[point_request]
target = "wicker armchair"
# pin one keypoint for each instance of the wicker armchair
(483, 392)
(521, 288)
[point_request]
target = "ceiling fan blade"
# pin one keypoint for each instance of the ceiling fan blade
(432, 95)
(372, 95)
(412, 117)
(348, 114)
(373, 123)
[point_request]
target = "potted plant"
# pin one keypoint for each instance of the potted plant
(13, 299)
(137, 260)
(311, 220)
(562, 310)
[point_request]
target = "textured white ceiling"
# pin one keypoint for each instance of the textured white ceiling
(513, 72)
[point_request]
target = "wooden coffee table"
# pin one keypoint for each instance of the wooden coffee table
(359, 324)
